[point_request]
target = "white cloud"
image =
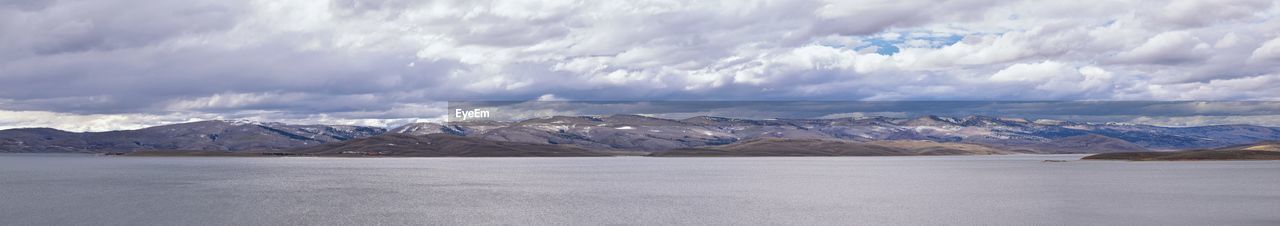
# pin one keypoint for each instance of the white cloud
(396, 116)
(1167, 48)
(550, 97)
(83, 123)
(1035, 72)
(1248, 88)
(1269, 52)
(1057, 79)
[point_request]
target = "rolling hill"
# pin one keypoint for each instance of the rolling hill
(823, 147)
(441, 145)
(1259, 151)
(201, 136)
(642, 134)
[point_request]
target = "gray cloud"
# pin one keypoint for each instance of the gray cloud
(361, 59)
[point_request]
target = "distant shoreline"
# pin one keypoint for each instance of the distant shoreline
(261, 155)
(1198, 155)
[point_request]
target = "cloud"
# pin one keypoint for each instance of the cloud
(391, 117)
(347, 58)
(1167, 48)
(550, 97)
(1269, 52)
(1058, 79)
(91, 123)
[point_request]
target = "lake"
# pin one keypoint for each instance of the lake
(50, 189)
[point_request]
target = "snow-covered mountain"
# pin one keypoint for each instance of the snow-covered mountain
(640, 133)
(215, 135)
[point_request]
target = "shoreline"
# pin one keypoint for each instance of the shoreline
(256, 155)
(1192, 155)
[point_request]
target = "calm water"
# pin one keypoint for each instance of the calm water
(1005, 190)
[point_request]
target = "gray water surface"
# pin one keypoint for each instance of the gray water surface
(1001, 190)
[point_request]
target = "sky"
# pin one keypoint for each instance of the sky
(96, 65)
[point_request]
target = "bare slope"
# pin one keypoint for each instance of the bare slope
(1259, 151)
(441, 145)
(826, 147)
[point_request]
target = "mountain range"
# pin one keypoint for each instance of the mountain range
(640, 133)
(217, 135)
(925, 135)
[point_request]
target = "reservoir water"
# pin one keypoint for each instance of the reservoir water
(967, 190)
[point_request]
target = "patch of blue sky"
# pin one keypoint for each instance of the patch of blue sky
(883, 47)
(891, 44)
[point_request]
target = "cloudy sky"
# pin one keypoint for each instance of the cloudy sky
(92, 65)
